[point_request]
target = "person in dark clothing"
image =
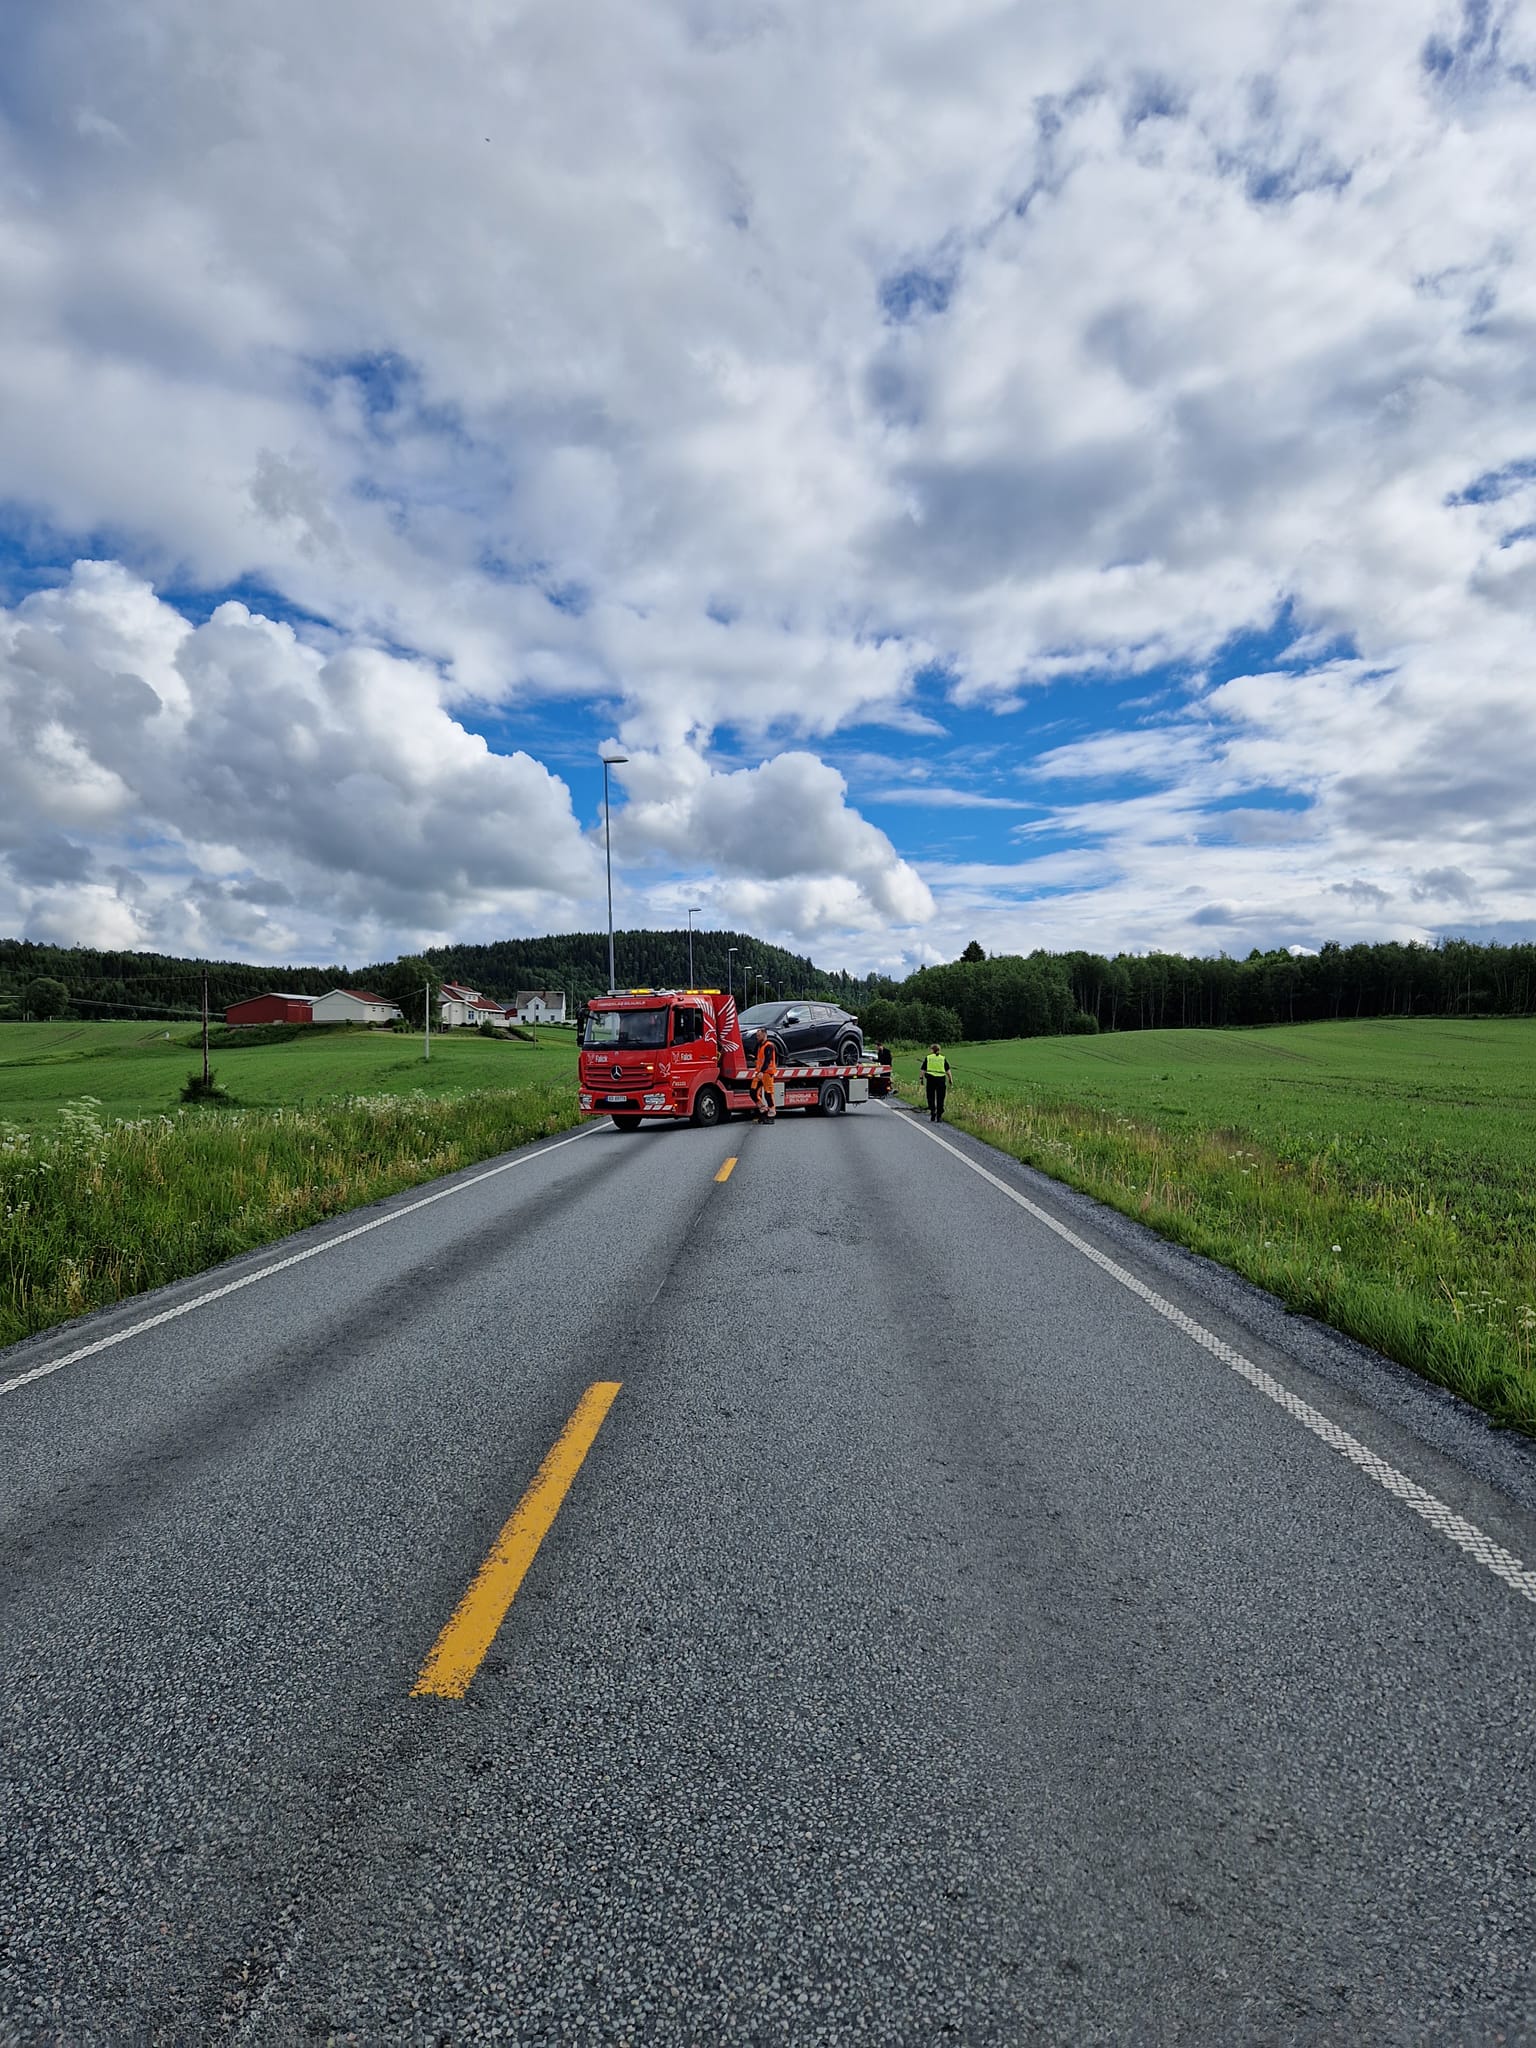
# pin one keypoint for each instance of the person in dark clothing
(938, 1075)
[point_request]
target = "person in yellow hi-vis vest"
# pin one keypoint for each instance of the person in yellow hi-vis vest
(938, 1075)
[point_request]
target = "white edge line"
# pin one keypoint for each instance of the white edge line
(185, 1308)
(1455, 1528)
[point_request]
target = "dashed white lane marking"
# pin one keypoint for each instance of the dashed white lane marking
(185, 1308)
(1455, 1528)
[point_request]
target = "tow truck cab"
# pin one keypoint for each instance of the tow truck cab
(677, 1054)
(658, 1052)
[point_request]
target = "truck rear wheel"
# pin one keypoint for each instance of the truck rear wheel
(708, 1108)
(833, 1100)
(626, 1122)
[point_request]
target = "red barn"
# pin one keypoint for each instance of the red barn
(271, 1010)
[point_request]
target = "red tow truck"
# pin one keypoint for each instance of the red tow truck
(676, 1055)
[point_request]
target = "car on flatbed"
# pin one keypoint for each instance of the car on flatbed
(804, 1032)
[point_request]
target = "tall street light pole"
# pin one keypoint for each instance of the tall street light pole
(693, 911)
(730, 972)
(609, 761)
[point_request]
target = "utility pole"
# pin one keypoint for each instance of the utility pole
(693, 911)
(206, 1082)
(730, 972)
(426, 1012)
(609, 761)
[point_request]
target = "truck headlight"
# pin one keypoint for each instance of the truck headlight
(655, 1102)
(585, 1101)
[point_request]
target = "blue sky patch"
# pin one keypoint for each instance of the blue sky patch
(35, 555)
(1494, 484)
(907, 293)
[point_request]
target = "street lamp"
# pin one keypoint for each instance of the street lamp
(609, 761)
(693, 911)
(730, 972)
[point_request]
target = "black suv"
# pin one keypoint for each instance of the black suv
(805, 1033)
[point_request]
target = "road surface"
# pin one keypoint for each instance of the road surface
(960, 1629)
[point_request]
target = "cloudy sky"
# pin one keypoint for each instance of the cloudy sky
(1060, 474)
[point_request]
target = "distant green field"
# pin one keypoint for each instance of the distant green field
(1379, 1174)
(136, 1070)
(109, 1186)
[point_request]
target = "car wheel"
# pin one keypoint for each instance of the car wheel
(708, 1108)
(833, 1101)
(849, 1053)
(625, 1122)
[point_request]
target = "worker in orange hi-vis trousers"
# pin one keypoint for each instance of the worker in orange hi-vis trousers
(765, 1073)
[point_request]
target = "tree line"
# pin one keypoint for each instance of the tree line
(46, 981)
(1011, 996)
(1008, 996)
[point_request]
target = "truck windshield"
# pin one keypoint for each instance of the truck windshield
(618, 1028)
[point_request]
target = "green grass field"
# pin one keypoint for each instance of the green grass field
(108, 1186)
(1380, 1174)
(136, 1070)
(1377, 1174)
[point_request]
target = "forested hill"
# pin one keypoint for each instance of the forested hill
(578, 963)
(103, 984)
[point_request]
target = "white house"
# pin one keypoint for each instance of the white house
(539, 1006)
(460, 1005)
(353, 1006)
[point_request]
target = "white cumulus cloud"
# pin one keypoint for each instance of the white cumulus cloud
(784, 846)
(170, 783)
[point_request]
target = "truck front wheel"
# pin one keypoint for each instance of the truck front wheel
(708, 1108)
(627, 1123)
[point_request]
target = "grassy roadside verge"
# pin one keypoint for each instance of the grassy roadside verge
(134, 1072)
(94, 1210)
(1384, 1226)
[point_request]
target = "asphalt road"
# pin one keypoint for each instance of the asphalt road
(941, 1642)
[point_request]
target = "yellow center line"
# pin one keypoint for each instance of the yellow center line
(471, 1629)
(727, 1170)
